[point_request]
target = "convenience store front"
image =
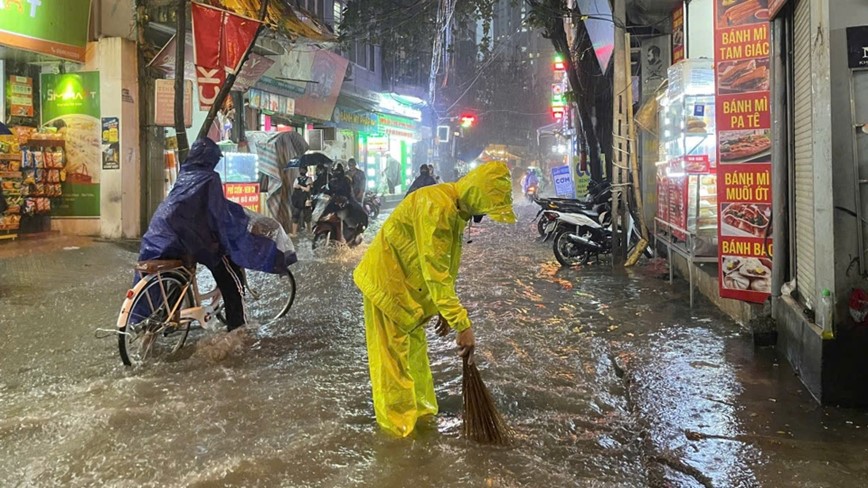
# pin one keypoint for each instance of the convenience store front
(69, 162)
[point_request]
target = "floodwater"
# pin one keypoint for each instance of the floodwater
(607, 379)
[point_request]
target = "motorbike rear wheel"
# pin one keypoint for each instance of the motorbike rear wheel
(569, 253)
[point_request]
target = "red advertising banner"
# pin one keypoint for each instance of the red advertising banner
(741, 47)
(220, 39)
(244, 194)
(238, 34)
(678, 34)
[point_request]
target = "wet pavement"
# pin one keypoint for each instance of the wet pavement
(608, 379)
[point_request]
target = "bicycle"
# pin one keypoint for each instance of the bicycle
(158, 312)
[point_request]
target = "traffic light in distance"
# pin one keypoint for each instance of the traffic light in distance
(558, 64)
(468, 120)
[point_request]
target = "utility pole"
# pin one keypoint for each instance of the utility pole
(180, 44)
(620, 86)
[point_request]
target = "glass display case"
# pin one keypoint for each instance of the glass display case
(686, 220)
(687, 159)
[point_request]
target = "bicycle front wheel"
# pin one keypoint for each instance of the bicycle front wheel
(153, 327)
(269, 296)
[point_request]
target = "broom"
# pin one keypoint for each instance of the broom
(482, 421)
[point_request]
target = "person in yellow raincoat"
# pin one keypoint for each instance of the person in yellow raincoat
(408, 276)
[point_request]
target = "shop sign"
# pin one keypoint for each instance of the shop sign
(378, 144)
(397, 122)
(697, 164)
(71, 102)
(111, 143)
(70, 94)
(271, 102)
(251, 71)
(562, 177)
(356, 120)
(55, 27)
(20, 93)
(775, 6)
(857, 47)
(678, 34)
(164, 103)
(244, 194)
(319, 100)
(741, 47)
(677, 205)
(397, 126)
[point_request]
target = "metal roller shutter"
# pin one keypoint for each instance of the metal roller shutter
(803, 152)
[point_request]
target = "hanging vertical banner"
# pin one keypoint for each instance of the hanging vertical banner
(741, 47)
(678, 34)
(220, 39)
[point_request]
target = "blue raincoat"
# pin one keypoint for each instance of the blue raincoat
(196, 221)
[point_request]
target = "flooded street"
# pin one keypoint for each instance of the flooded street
(608, 379)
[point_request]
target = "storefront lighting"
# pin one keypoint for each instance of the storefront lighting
(558, 63)
(371, 183)
(371, 173)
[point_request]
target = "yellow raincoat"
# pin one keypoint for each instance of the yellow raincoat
(408, 275)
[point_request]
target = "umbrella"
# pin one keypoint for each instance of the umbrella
(311, 159)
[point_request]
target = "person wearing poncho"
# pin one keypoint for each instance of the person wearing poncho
(408, 275)
(197, 224)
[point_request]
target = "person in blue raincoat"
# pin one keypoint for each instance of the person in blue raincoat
(196, 223)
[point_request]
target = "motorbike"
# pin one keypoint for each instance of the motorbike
(371, 204)
(579, 236)
(598, 196)
(341, 216)
(531, 192)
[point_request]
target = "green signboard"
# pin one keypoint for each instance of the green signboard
(55, 27)
(70, 94)
(70, 105)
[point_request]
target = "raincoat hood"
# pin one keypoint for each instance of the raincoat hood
(487, 190)
(204, 154)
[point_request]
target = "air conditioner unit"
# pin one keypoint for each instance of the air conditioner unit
(329, 134)
(315, 139)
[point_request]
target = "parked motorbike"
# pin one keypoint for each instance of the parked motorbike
(339, 216)
(598, 195)
(577, 237)
(372, 204)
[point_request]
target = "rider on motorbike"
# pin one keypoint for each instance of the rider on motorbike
(340, 188)
(530, 181)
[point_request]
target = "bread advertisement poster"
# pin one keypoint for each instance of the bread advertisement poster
(71, 117)
(741, 58)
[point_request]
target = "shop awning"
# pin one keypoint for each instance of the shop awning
(293, 22)
(355, 103)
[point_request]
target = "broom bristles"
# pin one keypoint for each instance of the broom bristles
(482, 422)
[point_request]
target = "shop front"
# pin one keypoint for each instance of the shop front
(712, 164)
(69, 162)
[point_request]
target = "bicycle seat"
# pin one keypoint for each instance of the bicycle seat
(156, 265)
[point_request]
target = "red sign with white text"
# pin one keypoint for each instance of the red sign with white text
(244, 194)
(741, 47)
(220, 39)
